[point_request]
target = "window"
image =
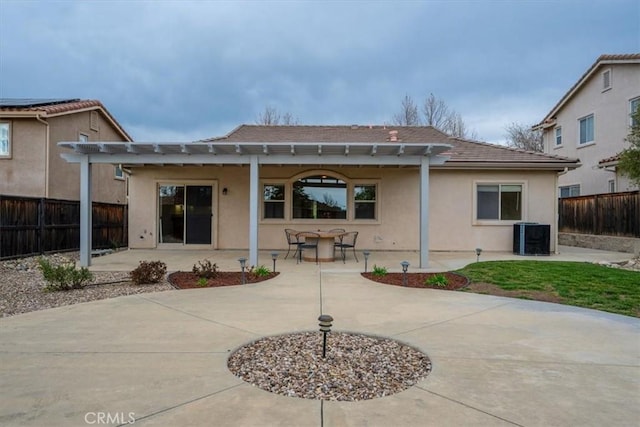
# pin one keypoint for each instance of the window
(558, 136)
(612, 186)
(586, 129)
(365, 201)
(320, 197)
(273, 201)
(499, 202)
(83, 138)
(606, 80)
(570, 191)
(633, 107)
(5, 142)
(118, 172)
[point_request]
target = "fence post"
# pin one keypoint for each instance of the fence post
(41, 224)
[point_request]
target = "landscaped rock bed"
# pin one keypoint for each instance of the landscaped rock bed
(454, 281)
(356, 367)
(189, 280)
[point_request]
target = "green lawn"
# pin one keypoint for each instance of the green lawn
(577, 283)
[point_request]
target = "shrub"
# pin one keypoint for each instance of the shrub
(379, 271)
(439, 280)
(261, 271)
(148, 272)
(205, 269)
(63, 277)
(202, 282)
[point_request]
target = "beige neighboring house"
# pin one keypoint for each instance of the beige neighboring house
(591, 122)
(30, 161)
(401, 188)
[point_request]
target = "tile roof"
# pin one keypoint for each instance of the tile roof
(610, 160)
(626, 58)
(464, 153)
(50, 107)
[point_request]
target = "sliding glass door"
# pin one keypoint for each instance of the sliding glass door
(185, 214)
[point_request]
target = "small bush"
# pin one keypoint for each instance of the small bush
(148, 272)
(205, 269)
(63, 277)
(379, 271)
(261, 271)
(202, 282)
(439, 280)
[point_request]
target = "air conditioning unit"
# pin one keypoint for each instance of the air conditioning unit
(531, 238)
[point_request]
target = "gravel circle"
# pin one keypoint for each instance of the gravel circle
(356, 367)
(22, 286)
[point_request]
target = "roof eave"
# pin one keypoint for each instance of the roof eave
(556, 166)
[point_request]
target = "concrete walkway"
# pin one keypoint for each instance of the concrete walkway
(161, 358)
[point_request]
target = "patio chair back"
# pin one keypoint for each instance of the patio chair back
(348, 241)
(292, 240)
(304, 243)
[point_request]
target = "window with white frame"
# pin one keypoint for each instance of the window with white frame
(633, 107)
(570, 190)
(558, 136)
(118, 172)
(612, 186)
(83, 138)
(586, 134)
(364, 201)
(502, 202)
(5, 140)
(606, 79)
(273, 201)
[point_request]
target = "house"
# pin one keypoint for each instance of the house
(30, 161)
(401, 188)
(591, 122)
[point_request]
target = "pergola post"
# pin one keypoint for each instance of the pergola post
(253, 210)
(424, 212)
(85, 212)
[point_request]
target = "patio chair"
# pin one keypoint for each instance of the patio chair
(337, 238)
(304, 243)
(292, 240)
(348, 241)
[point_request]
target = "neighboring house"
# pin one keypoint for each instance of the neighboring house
(591, 122)
(30, 161)
(401, 188)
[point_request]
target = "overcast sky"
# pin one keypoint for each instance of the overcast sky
(187, 70)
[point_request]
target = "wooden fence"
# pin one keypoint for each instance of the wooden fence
(32, 226)
(612, 214)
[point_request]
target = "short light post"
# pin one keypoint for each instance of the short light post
(478, 252)
(366, 259)
(405, 267)
(325, 326)
(274, 257)
(243, 264)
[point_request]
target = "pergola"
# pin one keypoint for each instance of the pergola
(254, 154)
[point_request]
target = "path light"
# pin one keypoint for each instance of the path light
(366, 258)
(274, 257)
(478, 252)
(405, 267)
(243, 264)
(325, 326)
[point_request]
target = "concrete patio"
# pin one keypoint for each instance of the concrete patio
(160, 359)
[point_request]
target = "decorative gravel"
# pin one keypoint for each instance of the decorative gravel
(22, 286)
(356, 367)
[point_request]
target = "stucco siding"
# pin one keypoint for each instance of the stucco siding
(23, 174)
(64, 182)
(610, 109)
(397, 224)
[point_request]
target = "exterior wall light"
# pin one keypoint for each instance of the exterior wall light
(325, 326)
(405, 267)
(366, 258)
(243, 265)
(225, 191)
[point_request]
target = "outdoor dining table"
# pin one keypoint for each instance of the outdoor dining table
(326, 240)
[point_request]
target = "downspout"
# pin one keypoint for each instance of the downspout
(555, 208)
(46, 155)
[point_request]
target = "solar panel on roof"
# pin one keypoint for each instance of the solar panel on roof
(33, 102)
